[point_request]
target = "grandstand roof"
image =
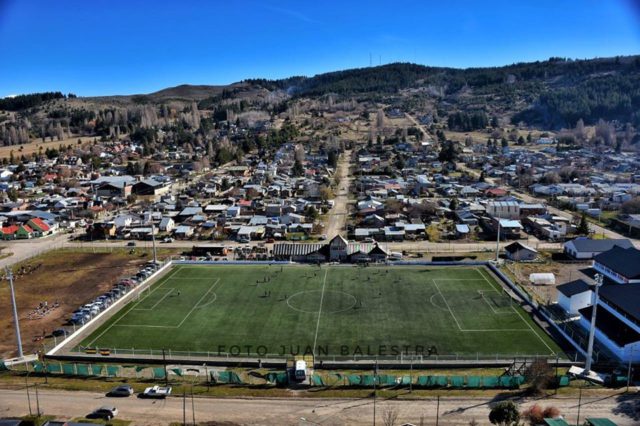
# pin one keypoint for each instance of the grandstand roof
(624, 261)
(623, 297)
(612, 326)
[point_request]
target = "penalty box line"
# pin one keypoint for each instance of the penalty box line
(470, 330)
(133, 306)
(196, 306)
(520, 315)
(115, 323)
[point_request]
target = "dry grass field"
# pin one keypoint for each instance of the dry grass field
(70, 277)
(34, 146)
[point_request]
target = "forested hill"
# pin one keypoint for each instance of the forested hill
(551, 94)
(548, 94)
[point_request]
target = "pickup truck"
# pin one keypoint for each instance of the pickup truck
(159, 392)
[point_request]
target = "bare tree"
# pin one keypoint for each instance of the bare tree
(389, 416)
(580, 132)
(380, 120)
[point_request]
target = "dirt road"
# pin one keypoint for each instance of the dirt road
(303, 411)
(337, 216)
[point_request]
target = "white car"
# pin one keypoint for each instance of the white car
(157, 392)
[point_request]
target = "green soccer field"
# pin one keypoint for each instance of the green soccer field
(381, 311)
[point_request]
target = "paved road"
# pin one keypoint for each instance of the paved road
(24, 249)
(337, 216)
(292, 411)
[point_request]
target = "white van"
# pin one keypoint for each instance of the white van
(300, 373)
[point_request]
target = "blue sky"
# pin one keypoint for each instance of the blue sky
(96, 47)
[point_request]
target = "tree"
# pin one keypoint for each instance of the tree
(311, 212)
(389, 417)
(326, 193)
(540, 376)
(504, 413)
(433, 233)
(297, 169)
(332, 159)
(583, 227)
(631, 207)
(449, 152)
(453, 204)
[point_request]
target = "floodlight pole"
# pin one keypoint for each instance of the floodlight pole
(15, 312)
(592, 330)
(629, 370)
(498, 243)
(153, 239)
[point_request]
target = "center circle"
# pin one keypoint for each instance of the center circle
(333, 301)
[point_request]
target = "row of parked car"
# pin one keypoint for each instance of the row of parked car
(89, 310)
(108, 412)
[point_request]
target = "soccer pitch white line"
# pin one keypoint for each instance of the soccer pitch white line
(490, 305)
(170, 290)
(315, 338)
(200, 300)
(521, 317)
(171, 326)
(472, 330)
(133, 305)
(447, 303)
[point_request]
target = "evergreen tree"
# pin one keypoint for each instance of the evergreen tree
(297, 169)
(583, 227)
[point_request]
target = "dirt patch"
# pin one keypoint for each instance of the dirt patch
(69, 279)
(564, 272)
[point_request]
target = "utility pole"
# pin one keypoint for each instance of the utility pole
(498, 242)
(592, 330)
(579, 404)
(411, 376)
(164, 364)
(438, 410)
(629, 370)
(153, 238)
(15, 312)
(193, 407)
(37, 399)
(26, 382)
(184, 407)
(375, 378)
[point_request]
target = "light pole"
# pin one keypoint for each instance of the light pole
(15, 311)
(592, 330)
(153, 237)
(498, 242)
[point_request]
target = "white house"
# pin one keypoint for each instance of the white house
(183, 231)
(586, 248)
(574, 295)
(503, 209)
(167, 224)
(520, 252)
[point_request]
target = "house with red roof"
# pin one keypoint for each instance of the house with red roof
(39, 226)
(17, 232)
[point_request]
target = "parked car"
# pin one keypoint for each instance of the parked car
(131, 244)
(106, 412)
(59, 332)
(122, 390)
(158, 392)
